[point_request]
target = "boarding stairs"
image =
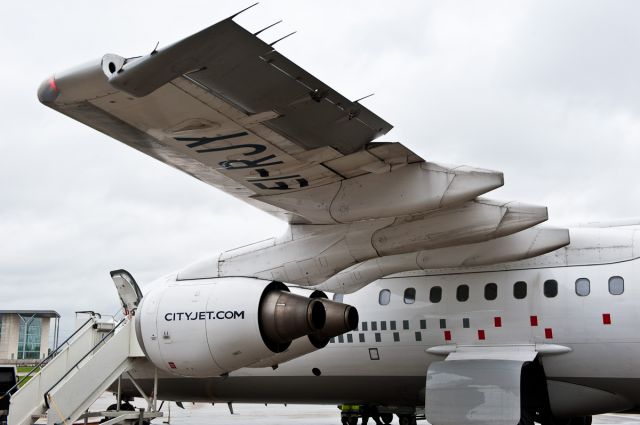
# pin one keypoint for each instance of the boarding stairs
(79, 371)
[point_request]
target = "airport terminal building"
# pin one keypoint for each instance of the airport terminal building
(24, 334)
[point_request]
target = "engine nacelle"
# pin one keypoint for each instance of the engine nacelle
(208, 327)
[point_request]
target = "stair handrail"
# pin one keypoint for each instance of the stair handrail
(106, 337)
(46, 359)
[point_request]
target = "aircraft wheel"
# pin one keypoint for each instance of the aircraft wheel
(526, 418)
(387, 418)
(580, 420)
(407, 419)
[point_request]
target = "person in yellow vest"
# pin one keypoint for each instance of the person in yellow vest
(349, 413)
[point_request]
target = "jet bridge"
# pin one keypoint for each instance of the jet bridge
(64, 385)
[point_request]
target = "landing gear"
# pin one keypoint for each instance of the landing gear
(526, 418)
(407, 419)
(386, 418)
(580, 420)
(381, 415)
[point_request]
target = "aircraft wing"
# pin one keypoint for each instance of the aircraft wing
(228, 109)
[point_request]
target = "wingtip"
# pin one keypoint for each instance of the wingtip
(48, 91)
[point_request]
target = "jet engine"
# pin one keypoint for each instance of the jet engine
(203, 328)
(341, 318)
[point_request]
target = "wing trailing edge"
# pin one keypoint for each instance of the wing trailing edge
(226, 108)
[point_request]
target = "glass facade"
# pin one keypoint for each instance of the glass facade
(29, 338)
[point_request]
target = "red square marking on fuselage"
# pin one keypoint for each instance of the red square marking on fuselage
(548, 333)
(481, 335)
(447, 335)
(533, 320)
(606, 319)
(497, 322)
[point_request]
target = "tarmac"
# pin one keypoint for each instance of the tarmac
(278, 414)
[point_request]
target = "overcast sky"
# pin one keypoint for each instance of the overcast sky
(545, 91)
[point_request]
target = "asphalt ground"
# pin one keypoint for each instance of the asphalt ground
(278, 414)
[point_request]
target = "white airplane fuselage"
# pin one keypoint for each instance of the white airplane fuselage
(586, 334)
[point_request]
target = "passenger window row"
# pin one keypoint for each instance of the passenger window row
(549, 289)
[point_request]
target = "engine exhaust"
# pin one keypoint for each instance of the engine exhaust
(341, 318)
(285, 316)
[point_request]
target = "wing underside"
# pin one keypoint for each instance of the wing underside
(228, 109)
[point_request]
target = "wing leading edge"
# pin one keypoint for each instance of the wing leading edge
(226, 108)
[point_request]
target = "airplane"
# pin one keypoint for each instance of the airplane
(397, 284)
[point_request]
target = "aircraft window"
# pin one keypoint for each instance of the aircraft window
(443, 323)
(364, 326)
(410, 295)
(340, 339)
(373, 354)
(423, 323)
(332, 340)
(550, 288)
(490, 291)
(383, 326)
(377, 337)
(338, 297)
(361, 336)
(520, 290)
(396, 336)
(384, 297)
(392, 325)
(374, 326)
(583, 287)
(405, 324)
(418, 336)
(465, 322)
(349, 338)
(435, 294)
(616, 285)
(462, 293)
